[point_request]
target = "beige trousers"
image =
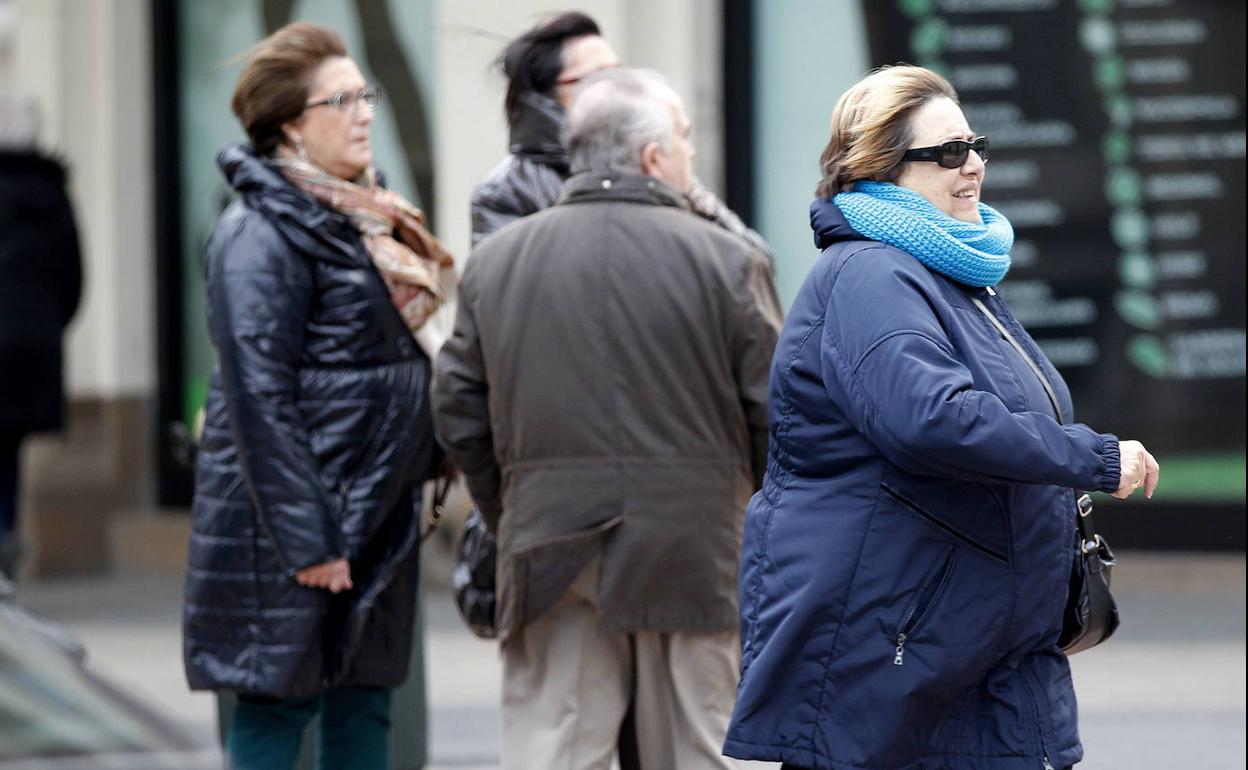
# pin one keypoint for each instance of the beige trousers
(567, 684)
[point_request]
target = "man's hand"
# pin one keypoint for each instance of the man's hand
(1139, 469)
(332, 575)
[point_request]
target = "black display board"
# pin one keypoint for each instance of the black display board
(1117, 150)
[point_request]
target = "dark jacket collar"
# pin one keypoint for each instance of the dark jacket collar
(597, 186)
(301, 218)
(264, 186)
(535, 125)
(829, 224)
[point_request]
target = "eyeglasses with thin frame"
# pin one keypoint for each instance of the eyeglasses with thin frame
(950, 154)
(346, 101)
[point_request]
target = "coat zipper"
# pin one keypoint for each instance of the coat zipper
(1057, 409)
(899, 659)
(1031, 684)
(922, 605)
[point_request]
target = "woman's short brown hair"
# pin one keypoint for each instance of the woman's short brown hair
(871, 125)
(275, 83)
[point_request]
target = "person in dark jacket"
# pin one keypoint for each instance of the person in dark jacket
(40, 287)
(906, 562)
(604, 394)
(544, 68)
(300, 592)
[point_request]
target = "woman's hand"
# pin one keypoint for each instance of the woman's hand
(332, 575)
(1139, 469)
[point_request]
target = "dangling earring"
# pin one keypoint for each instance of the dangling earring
(300, 150)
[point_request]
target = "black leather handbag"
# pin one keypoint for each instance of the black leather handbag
(472, 577)
(1091, 614)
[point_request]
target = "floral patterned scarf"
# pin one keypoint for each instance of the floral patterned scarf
(412, 265)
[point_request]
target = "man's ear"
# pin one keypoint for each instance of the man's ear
(650, 159)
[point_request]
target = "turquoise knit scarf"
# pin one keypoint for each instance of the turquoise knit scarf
(973, 254)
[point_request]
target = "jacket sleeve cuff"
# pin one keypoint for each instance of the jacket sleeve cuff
(1111, 472)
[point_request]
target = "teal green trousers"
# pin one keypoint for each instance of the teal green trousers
(266, 733)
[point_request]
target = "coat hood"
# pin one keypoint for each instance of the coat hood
(829, 224)
(536, 122)
(261, 184)
(300, 218)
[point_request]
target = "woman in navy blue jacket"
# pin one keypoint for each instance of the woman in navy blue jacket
(906, 562)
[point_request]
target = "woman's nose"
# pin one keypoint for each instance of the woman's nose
(974, 165)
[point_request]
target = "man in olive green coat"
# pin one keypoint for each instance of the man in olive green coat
(606, 387)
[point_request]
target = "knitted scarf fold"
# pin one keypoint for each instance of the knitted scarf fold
(412, 265)
(969, 253)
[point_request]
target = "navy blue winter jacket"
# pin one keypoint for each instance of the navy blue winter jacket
(906, 562)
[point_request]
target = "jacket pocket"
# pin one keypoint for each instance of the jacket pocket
(920, 607)
(936, 521)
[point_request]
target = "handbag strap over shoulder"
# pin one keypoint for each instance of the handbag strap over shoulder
(1087, 529)
(1014, 343)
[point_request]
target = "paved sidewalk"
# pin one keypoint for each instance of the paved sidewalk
(1168, 691)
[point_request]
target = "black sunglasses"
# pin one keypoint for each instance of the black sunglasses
(346, 101)
(950, 154)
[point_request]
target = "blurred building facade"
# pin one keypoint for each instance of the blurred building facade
(135, 97)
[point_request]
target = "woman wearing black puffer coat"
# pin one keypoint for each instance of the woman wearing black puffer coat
(301, 585)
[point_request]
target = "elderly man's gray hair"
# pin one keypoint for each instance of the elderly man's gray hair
(614, 116)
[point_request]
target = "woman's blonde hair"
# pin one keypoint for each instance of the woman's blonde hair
(871, 125)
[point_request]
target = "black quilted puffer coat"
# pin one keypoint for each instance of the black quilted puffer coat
(316, 439)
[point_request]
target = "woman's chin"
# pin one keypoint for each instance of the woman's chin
(356, 162)
(968, 212)
(350, 169)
